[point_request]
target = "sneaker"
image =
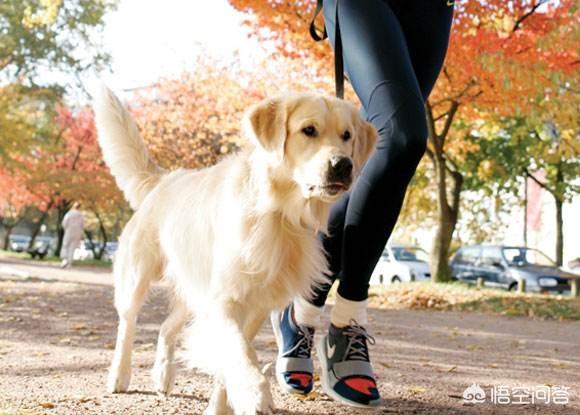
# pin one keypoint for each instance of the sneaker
(347, 375)
(294, 365)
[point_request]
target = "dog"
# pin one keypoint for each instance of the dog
(234, 241)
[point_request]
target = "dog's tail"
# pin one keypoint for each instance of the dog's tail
(123, 148)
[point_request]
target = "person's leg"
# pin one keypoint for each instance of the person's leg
(64, 252)
(382, 69)
(332, 244)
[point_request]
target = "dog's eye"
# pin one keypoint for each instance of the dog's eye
(310, 131)
(346, 135)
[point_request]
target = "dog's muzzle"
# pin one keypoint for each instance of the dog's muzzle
(339, 175)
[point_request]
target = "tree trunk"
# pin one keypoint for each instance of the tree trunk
(104, 236)
(559, 232)
(440, 251)
(62, 209)
(6, 244)
(89, 236)
(559, 199)
(448, 214)
(37, 225)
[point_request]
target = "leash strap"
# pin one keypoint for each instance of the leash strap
(313, 30)
(338, 61)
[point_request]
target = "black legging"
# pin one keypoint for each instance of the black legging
(393, 51)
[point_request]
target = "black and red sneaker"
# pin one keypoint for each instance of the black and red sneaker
(294, 365)
(347, 375)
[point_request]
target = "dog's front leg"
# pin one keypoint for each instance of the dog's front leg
(218, 403)
(247, 388)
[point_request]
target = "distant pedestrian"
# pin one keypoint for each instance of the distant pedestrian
(73, 224)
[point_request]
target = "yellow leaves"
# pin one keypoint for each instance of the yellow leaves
(489, 168)
(312, 396)
(504, 25)
(45, 15)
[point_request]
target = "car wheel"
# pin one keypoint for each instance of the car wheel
(513, 286)
(395, 280)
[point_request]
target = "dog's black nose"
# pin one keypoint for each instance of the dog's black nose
(340, 169)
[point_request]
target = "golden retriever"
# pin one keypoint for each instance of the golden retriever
(234, 241)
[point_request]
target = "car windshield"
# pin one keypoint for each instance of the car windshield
(526, 256)
(403, 253)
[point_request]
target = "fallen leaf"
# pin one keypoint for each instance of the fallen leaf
(312, 396)
(79, 326)
(417, 390)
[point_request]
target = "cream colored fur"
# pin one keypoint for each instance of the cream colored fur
(234, 241)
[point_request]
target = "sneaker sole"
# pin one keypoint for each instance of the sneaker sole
(325, 382)
(274, 320)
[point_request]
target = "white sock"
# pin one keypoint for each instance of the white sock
(346, 310)
(307, 314)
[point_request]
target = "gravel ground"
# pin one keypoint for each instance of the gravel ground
(57, 332)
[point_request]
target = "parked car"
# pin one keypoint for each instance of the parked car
(574, 266)
(110, 250)
(400, 263)
(84, 251)
(502, 266)
(19, 243)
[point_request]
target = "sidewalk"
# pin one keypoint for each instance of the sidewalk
(58, 330)
(50, 271)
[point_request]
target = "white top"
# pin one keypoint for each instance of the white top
(73, 223)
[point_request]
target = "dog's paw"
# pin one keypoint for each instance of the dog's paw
(256, 401)
(118, 381)
(218, 402)
(164, 377)
(218, 409)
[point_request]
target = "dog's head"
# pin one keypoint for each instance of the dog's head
(319, 143)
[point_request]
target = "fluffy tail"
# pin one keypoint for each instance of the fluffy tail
(123, 148)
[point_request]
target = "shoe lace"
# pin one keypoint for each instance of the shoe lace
(357, 342)
(304, 344)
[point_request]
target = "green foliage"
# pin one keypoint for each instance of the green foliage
(49, 35)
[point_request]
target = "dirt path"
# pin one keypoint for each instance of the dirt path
(57, 333)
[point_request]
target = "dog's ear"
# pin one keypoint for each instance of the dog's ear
(265, 124)
(364, 144)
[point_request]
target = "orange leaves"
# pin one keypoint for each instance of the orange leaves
(498, 59)
(194, 120)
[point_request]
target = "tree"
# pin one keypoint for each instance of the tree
(55, 35)
(492, 69)
(12, 204)
(520, 147)
(36, 38)
(195, 120)
(501, 56)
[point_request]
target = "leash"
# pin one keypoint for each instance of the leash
(338, 61)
